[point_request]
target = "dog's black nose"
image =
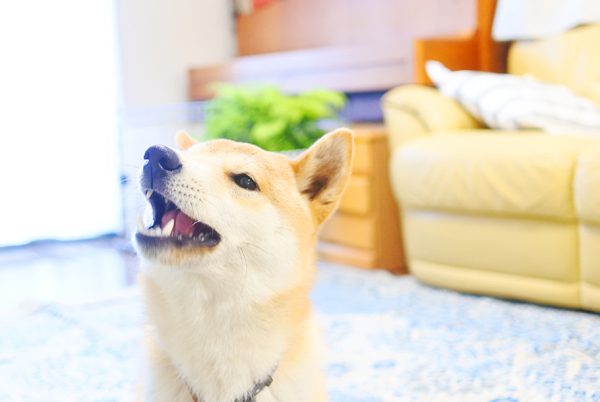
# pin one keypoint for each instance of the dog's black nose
(160, 161)
(162, 158)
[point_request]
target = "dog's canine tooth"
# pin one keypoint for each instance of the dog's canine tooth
(140, 223)
(149, 194)
(168, 228)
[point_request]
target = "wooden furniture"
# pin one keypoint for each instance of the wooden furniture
(302, 24)
(476, 50)
(365, 231)
(345, 68)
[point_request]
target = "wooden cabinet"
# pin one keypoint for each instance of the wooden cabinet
(304, 24)
(365, 230)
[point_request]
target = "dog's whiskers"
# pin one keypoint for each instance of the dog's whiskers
(245, 262)
(256, 247)
(129, 165)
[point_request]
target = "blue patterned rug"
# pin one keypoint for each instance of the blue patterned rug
(390, 339)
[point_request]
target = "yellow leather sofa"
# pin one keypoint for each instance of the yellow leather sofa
(513, 214)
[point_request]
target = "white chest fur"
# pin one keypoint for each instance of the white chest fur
(219, 344)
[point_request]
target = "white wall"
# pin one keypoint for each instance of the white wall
(161, 39)
(58, 128)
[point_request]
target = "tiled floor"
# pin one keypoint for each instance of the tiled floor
(65, 271)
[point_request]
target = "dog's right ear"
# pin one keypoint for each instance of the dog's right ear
(323, 170)
(184, 140)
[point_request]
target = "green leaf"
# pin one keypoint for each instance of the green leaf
(267, 117)
(266, 131)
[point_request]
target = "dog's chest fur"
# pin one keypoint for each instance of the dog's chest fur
(218, 343)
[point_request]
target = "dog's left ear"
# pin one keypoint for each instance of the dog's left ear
(323, 170)
(184, 140)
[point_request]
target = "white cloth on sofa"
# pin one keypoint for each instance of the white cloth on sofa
(505, 101)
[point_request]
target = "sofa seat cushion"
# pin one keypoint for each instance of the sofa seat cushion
(587, 203)
(520, 174)
(587, 185)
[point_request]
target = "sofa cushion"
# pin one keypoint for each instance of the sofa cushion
(587, 185)
(571, 59)
(502, 173)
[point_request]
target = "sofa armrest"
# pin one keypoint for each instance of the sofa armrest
(414, 111)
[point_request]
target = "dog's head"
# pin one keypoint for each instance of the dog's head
(219, 207)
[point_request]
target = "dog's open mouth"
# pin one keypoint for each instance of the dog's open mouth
(172, 226)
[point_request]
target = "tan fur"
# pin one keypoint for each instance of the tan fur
(221, 319)
(184, 140)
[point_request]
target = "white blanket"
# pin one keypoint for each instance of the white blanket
(505, 101)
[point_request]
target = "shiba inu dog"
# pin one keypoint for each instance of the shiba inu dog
(227, 265)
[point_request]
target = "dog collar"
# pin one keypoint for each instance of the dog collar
(249, 396)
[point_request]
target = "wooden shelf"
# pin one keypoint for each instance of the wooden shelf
(365, 230)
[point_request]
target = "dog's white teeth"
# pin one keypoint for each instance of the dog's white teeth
(154, 232)
(140, 224)
(149, 194)
(147, 217)
(168, 228)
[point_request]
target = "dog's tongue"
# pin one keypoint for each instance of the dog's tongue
(184, 225)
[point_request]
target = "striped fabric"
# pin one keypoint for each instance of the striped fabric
(504, 101)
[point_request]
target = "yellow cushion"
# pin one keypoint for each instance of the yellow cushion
(589, 238)
(501, 173)
(587, 202)
(412, 111)
(587, 185)
(533, 248)
(590, 297)
(571, 59)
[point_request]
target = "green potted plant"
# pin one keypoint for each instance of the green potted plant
(265, 116)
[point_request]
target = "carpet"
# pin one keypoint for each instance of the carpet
(389, 339)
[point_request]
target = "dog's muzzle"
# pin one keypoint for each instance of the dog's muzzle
(170, 225)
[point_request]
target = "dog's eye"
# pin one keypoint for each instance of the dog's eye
(244, 181)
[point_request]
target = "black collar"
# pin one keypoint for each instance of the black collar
(258, 387)
(249, 396)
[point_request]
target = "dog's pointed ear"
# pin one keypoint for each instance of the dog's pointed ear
(323, 170)
(184, 140)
